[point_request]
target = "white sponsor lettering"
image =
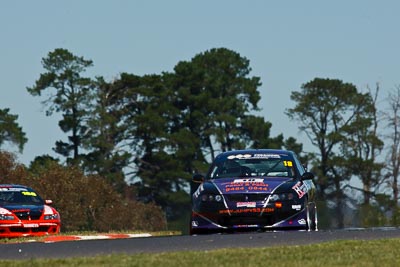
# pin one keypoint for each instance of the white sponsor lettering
(249, 180)
(246, 204)
(198, 191)
(239, 156)
(300, 189)
(296, 207)
(302, 221)
(12, 189)
(31, 225)
(256, 156)
(267, 156)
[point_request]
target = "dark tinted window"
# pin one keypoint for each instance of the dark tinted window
(253, 164)
(19, 196)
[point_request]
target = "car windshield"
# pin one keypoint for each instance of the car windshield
(253, 166)
(18, 196)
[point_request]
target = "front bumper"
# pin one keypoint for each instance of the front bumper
(263, 218)
(28, 228)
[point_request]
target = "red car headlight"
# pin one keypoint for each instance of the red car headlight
(51, 217)
(50, 213)
(6, 215)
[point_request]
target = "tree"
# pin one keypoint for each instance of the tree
(362, 146)
(10, 170)
(106, 134)
(10, 131)
(255, 132)
(392, 117)
(291, 144)
(325, 110)
(101, 208)
(160, 164)
(69, 93)
(216, 95)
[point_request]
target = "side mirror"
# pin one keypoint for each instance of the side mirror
(307, 176)
(48, 202)
(198, 178)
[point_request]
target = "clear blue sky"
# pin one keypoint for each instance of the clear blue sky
(288, 43)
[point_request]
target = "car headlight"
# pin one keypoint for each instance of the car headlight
(281, 197)
(51, 217)
(211, 198)
(4, 217)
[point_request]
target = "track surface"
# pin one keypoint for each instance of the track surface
(184, 243)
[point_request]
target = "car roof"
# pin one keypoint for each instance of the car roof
(14, 186)
(263, 150)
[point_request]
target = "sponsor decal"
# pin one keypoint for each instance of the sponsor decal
(248, 210)
(245, 225)
(249, 180)
(234, 188)
(267, 156)
(198, 191)
(264, 187)
(21, 210)
(239, 156)
(302, 222)
(26, 193)
(288, 163)
(195, 223)
(246, 204)
(296, 207)
(12, 189)
(300, 188)
(246, 185)
(254, 156)
(31, 225)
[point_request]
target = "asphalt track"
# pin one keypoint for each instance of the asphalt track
(87, 248)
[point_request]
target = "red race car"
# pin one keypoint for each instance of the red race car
(24, 213)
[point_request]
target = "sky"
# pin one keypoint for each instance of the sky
(288, 43)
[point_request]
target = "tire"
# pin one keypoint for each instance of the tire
(192, 232)
(197, 231)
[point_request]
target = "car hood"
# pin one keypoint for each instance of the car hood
(250, 185)
(19, 208)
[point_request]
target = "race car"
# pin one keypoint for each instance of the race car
(24, 213)
(255, 189)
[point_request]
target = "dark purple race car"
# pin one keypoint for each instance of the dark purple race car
(258, 189)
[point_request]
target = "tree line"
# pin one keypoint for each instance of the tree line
(85, 202)
(152, 132)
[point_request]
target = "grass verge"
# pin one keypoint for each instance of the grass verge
(337, 253)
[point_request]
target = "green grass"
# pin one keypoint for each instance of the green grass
(338, 253)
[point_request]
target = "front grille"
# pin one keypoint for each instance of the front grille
(246, 197)
(246, 220)
(265, 219)
(29, 230)
(27, 216)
